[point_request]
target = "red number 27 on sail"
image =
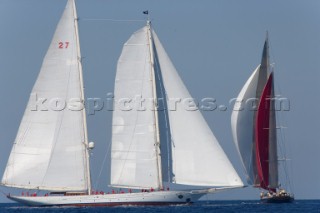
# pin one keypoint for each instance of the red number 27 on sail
(63, 45)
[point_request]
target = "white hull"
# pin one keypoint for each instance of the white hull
(143, 198)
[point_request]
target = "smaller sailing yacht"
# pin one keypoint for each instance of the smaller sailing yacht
(149, 147)
(255, 132)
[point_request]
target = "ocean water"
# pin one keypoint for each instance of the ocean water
(305, 206)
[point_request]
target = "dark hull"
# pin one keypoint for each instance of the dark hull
(278, 199)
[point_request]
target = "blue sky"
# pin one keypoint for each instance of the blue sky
(215, 46)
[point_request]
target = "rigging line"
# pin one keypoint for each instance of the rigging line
(271, 53)
(86, 157)
(165, 110)
(283, 150)
(115, 20)
(156, 116)
(286, 170)
(102, 166)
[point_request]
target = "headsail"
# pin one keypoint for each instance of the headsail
(197, 157)
(242, 126)
(49, 151)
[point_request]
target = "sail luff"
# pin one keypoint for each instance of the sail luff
(163, 121)
(154, 90)
(86, 142)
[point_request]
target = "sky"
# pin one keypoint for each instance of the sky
(215, 45)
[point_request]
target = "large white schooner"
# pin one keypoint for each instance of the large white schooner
(149, 147)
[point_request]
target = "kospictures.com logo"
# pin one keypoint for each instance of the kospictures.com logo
(139, 103)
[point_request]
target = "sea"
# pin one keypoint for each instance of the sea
(305, 206)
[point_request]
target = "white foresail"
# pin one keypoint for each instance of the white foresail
(133, 157)
(242, 124)
(49, 150)
(197, 156)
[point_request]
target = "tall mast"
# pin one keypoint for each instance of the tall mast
(266, 56)
(273, 153)
(87, 155)
(154, 90)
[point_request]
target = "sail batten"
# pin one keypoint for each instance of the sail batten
(49, 152)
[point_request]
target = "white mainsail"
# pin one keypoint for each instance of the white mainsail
(197, 157)
(49, 151)
(133, 157)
